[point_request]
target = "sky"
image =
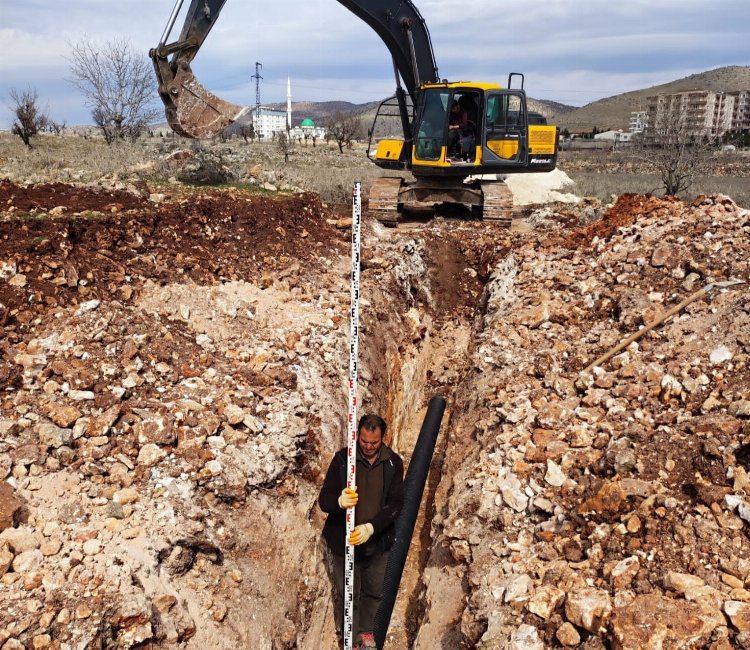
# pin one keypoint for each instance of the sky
(570, 51)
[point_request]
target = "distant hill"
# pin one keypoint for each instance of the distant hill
(320, 111)
(548, 108)
(614, 112)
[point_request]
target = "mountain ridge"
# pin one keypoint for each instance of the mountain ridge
(614, 112)
(607, 113)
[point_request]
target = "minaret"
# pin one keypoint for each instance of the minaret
(288, 104)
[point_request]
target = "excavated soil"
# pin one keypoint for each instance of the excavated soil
(174, 373)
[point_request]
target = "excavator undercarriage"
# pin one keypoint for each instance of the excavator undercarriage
(392, 199)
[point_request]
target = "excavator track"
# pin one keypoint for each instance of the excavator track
(497, 204)
(386, 195)
(383, 205)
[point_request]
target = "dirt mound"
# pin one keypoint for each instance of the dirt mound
(53, 256)
(67, 198)
(628, 209)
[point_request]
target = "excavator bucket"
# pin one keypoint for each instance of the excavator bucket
(194, 112)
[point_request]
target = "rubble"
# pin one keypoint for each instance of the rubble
(634, 468)
(174, 373)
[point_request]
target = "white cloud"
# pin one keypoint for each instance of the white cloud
(581, 49)
(23, 51)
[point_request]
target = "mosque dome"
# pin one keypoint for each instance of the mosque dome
(308, 122)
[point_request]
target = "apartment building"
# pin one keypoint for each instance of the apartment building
(741, 116)
(638, 121)
(701, 112)
(268, 121)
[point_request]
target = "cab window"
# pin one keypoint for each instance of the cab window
(431, 132)
(505, 113)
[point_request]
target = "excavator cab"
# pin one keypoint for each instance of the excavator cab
(437, 140)
(496, 135)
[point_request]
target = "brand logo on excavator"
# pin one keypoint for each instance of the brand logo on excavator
(540, 161)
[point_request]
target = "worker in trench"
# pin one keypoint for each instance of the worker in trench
(378, 497)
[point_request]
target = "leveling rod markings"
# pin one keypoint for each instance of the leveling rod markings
(352, 423)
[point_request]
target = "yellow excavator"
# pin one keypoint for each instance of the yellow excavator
(458, 139)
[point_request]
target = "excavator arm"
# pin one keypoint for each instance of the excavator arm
(191, 110)
(194, 112)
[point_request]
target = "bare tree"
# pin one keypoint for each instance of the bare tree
(677, 152)
(118, 85)
(30, 119)
(248, 131)
(285, 145)
(56, 127)
(343, 129)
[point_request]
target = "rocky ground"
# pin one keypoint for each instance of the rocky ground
(174, 368)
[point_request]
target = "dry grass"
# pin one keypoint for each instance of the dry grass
(67, 159)
(322, 169)
(604, 185)
(604, 173)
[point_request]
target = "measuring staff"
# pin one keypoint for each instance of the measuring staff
(369, 475)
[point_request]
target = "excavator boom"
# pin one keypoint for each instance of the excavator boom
(194, 112)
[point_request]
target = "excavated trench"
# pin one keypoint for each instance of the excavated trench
(417, 336)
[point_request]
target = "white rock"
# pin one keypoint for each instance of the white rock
(720, 354)
(92, 547)
(126, 495)
(517, 588)
(546, 599)
(588, 608)
(214, 467)
(526, 637)
(681, 582)
(27, 561)
(81, 395)
(7, 270)
(234, 414)
(216, 442)
(554, 475)
(20, 539)
(204, 340)
(89, 305)
(150, 454)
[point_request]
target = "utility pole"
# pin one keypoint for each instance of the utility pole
(288, 105)
(257, 78)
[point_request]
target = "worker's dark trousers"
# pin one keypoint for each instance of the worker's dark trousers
(368, 590)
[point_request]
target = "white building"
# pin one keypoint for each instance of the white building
(615, 137)
(268, 121)
(307, 129)
(701, 112)
(638, 121)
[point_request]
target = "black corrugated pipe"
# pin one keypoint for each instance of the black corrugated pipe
(416, 478)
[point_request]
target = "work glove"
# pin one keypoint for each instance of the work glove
(348, 498)
(361, 534)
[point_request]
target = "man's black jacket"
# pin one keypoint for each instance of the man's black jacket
(392, 501)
